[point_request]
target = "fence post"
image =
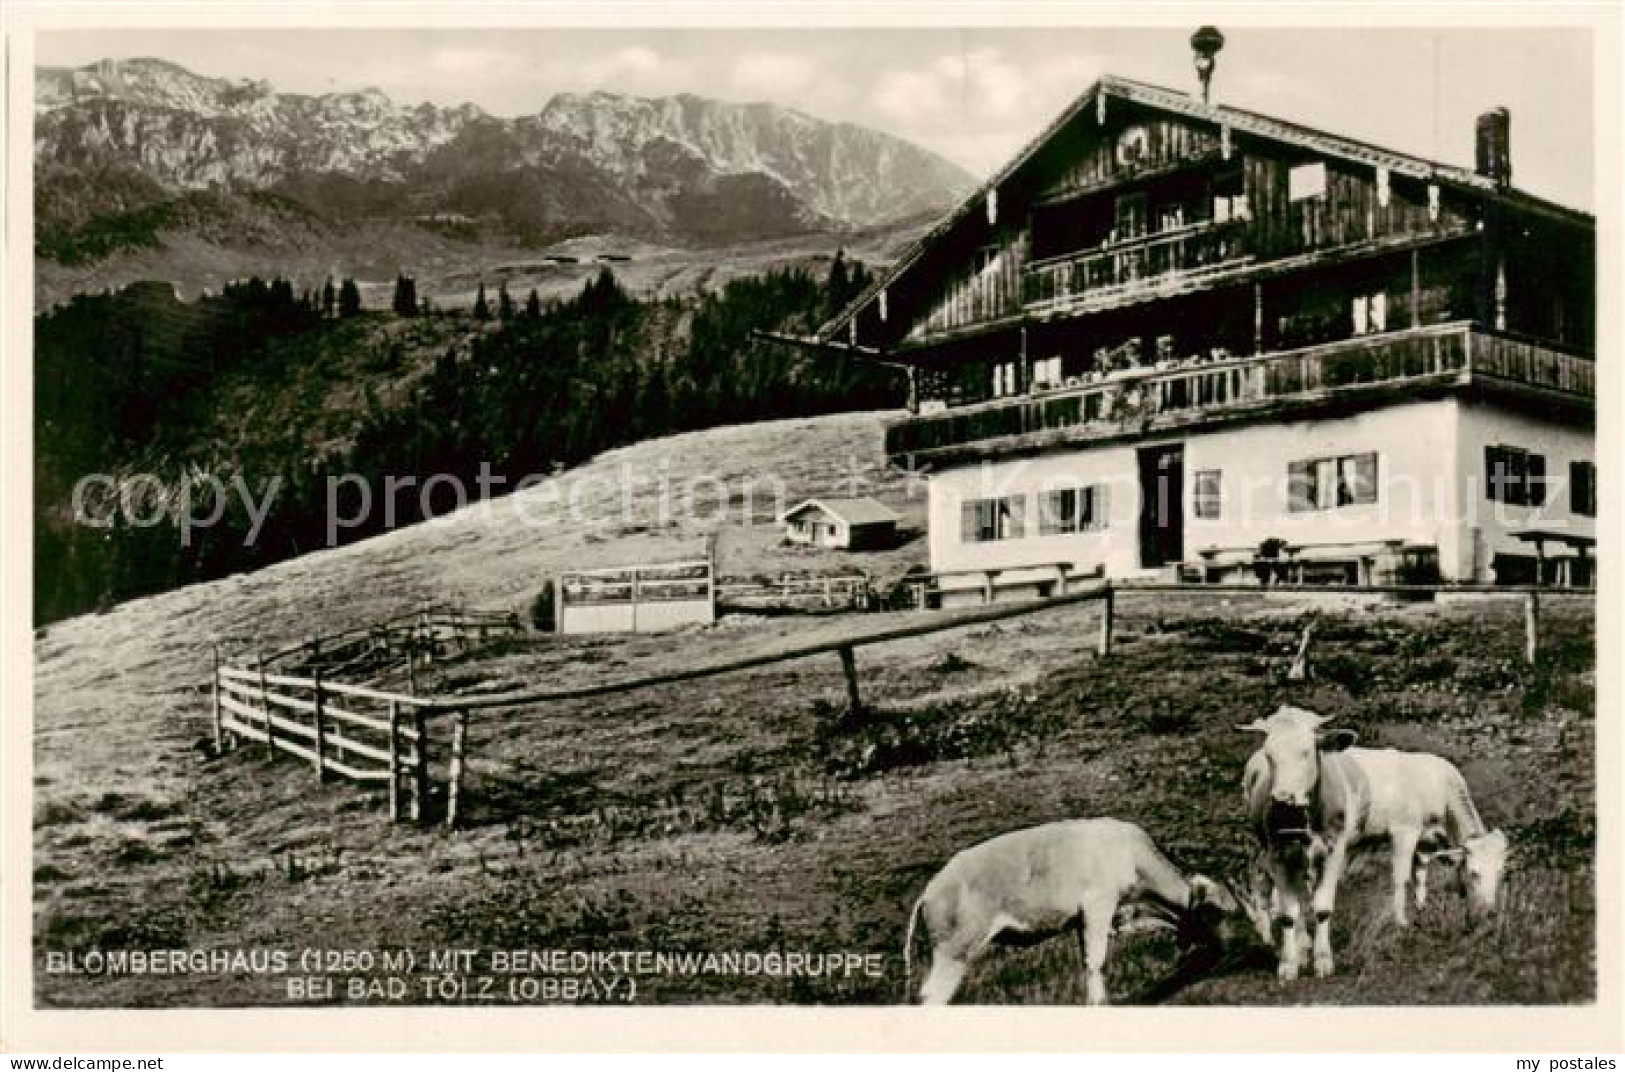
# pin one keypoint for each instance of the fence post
(219, 734)
(849, 664)
(987, 587)
(454, 789)
(394, 761)
(321, 729)
(1107, 599)
(420, 766)
(1531, 625)
(265, 711)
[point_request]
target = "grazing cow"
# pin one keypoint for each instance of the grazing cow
(1311, 797)
(1029, 885)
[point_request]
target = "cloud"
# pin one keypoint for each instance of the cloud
(773, 75)
(977, 106)
(630, 69)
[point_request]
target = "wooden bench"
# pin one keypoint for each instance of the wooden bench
(992, 580)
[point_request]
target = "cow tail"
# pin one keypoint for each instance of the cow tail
(908, 950)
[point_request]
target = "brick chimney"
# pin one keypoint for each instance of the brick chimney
(1494, 143)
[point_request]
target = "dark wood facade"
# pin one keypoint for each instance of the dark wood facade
(1148, 231)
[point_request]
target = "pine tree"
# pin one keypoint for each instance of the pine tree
(836, 286)
(504, 303)
(406, 296)
(533, 305)
(329, 297)
(349, 298)
(482, 309)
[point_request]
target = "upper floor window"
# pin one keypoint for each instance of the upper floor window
(1047, 372)
(1006, 379)
(1370, 313)
(1514, 476)
(1305, 181)
(985, 520)
(1229, 197)
(1131, 216)
(1583, 489)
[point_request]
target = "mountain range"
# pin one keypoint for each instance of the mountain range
(133, 153)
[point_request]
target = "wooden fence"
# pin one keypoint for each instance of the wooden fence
(849, 591)
(352, 731)
(374, 735)
(418, 636)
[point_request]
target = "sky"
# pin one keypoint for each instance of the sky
(974, 95)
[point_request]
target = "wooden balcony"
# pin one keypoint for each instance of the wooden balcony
(1351, 374)
(1148, 263)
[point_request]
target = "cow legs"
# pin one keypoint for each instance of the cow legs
(1419, 879)
(1326, 902)
(1097, 936)
(947, 972)
(1403, 863)
(1286, 903)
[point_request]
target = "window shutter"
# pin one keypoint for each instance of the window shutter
(1015, 528)
(1517, 470)
(1300, 478)
(1102, 506)
(1325, 483)
(967, 522)
(1537, 480)
(1583, 489)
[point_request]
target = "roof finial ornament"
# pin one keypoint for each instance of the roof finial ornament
(1205, 44)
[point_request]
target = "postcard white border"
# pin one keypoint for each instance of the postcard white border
(1545, 1029)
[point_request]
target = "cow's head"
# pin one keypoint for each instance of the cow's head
(1210, 917)
(1484, 861)
(1293, 741)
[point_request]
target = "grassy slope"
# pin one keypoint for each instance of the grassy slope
(711, 817)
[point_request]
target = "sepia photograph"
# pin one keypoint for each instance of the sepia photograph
(1070, 513)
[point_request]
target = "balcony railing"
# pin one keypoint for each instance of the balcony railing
(1143, 400)
(1145, 262)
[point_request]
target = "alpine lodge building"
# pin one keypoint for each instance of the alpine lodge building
(1175, 340)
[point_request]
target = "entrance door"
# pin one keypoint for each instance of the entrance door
(1162, 505)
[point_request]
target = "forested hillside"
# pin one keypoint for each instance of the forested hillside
(274, 395)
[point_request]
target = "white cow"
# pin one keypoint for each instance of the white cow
(1029, 885)
(1312, 796)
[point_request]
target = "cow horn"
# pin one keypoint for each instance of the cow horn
(1255, 726)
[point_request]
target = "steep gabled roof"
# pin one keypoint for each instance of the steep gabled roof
(864, 511)
(1238, 120)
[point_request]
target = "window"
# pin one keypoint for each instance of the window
(1357, 479)
(1131, 216)
(1229, 197)
(1583, 488)
(1005, 379)
(1370, 313)
(1047, 372)
(1306, 181)
(1069, 510)
(985, 520)
(1514, 476)
(1208, 502)
(1327, 483)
